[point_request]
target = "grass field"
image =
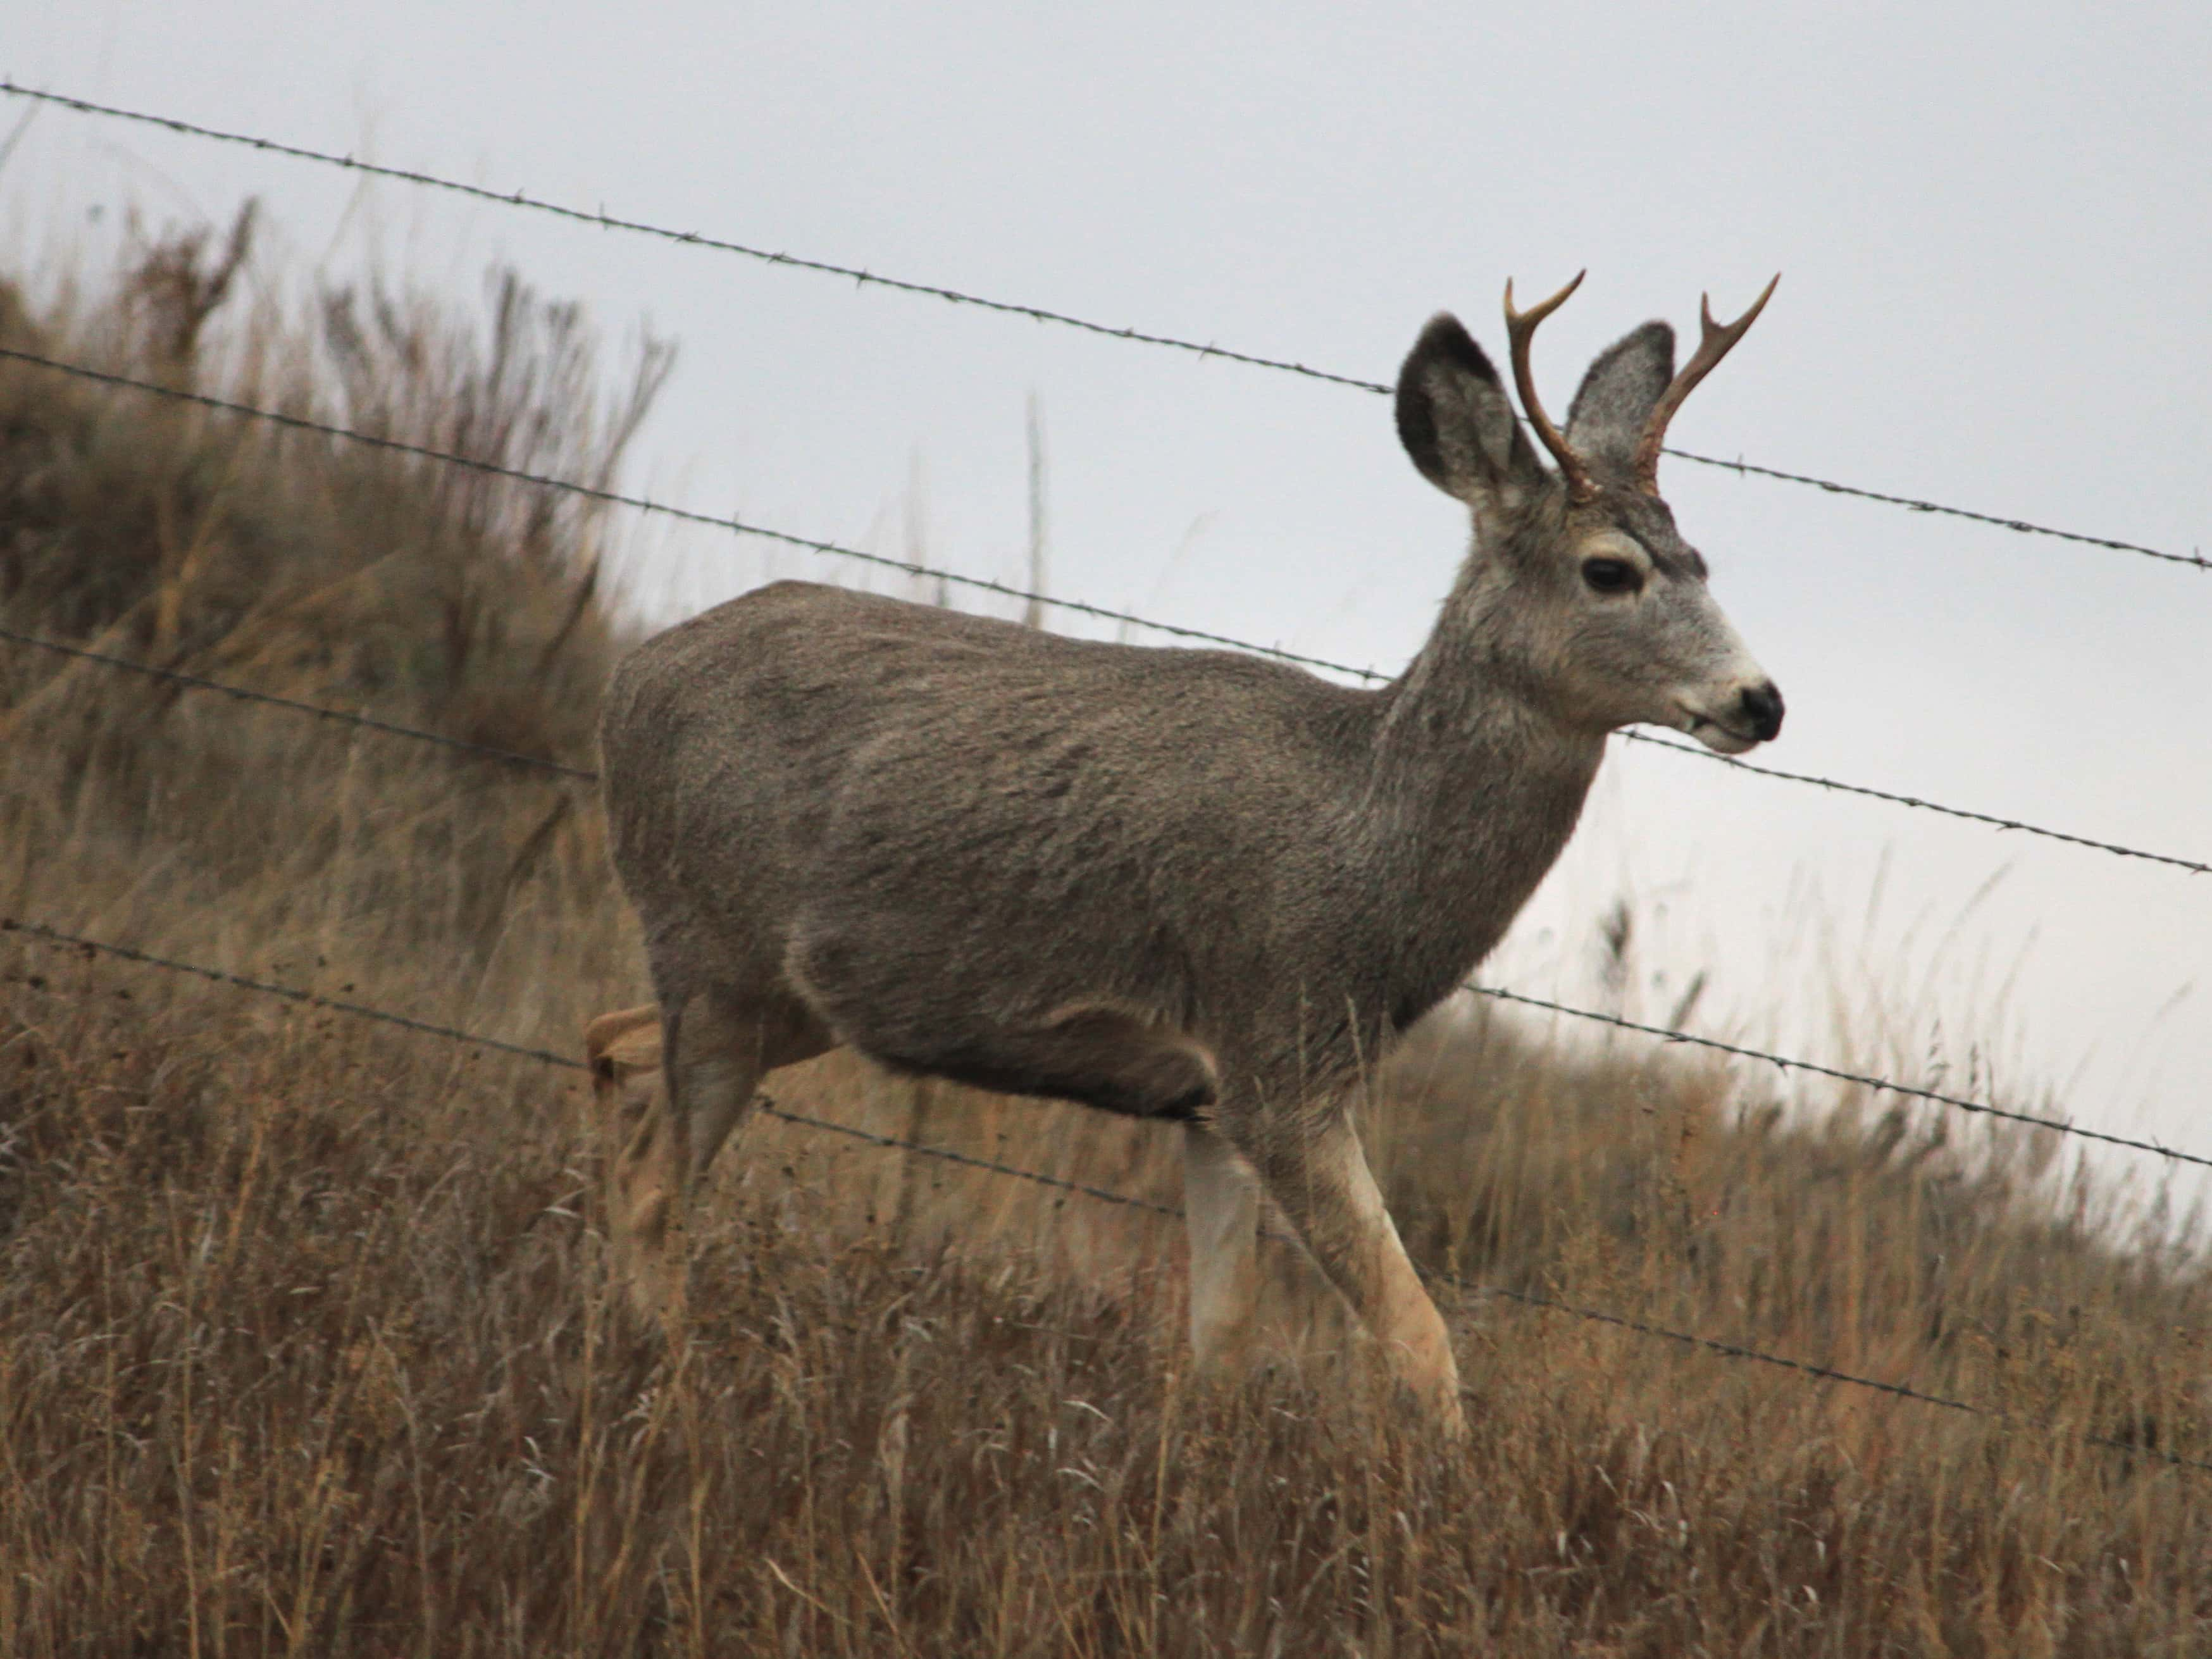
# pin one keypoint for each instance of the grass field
(307, 1342)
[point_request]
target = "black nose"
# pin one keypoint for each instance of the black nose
(1762, 710)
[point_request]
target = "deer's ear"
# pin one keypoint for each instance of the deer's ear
(1457, 422)
(1617, 397)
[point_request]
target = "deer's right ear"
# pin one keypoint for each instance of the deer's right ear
(1457, 422)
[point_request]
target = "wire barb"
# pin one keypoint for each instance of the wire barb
(600, 218)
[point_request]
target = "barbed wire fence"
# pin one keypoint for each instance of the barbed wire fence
(47, 934)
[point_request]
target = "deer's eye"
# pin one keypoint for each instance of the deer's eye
(1612, 576)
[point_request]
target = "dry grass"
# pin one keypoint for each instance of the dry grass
(305, 1341)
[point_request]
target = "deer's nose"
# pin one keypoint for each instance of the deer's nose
(1762, 710)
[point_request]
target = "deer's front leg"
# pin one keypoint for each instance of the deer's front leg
(1321, 1182)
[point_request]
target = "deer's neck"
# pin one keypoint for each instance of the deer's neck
(1475, 789)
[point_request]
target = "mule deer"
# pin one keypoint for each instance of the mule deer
(1189, 886)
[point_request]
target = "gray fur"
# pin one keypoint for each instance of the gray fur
(1181, 884)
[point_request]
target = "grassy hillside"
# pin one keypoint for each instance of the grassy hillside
(306, 1342)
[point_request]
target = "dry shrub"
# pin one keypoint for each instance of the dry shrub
(307, 1340)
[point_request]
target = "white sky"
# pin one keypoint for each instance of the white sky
(1994, 239)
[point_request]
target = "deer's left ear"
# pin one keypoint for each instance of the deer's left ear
(1618, 396)
(1455, 420)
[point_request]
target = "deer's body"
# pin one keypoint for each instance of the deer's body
(1177, 884)
(935, 829)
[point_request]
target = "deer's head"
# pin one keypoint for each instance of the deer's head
(1591, 598)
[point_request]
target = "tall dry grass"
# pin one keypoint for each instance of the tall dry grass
(307, 1343)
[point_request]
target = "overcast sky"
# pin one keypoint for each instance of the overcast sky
(1995, 243)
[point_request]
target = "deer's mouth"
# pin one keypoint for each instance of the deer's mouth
(1717, 735)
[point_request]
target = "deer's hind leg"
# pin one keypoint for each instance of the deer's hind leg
(700, 1064)
(1221, 1211)
(623, 1051)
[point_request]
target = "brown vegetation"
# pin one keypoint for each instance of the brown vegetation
(307, 1341)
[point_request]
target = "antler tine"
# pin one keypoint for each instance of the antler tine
(1520, 329)
(1714, 343)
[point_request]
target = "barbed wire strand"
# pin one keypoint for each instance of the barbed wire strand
(1005, 590)
(1783, 1063)
(63, 939)
(601, 219)
(1105, 1195)
(1837, 786)
(1826, 1373)
(344, 717)
(666, 509)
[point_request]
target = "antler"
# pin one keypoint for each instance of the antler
(1715, 344)
(1520, 329)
